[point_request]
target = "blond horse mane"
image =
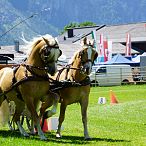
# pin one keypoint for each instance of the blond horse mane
(29, 45)
(73, 57)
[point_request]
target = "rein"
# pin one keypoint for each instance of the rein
(57, 85)
(30, 69)
(68, 67)
(37, 67)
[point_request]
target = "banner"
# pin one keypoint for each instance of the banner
(105, 42)
(110, 50)
(101, 47)
(93, 33)
(128, 45)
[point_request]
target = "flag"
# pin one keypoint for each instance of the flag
(93, 33)
(109, 50)
(101, 47)
(128, 45)
(105, 42)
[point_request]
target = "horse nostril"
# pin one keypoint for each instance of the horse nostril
(87, 69)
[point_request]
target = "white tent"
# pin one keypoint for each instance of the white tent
(137, 58)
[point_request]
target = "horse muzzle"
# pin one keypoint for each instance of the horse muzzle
(87, 68)
(52, 69)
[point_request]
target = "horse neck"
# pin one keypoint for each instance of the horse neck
(35, 61)
(75, 73)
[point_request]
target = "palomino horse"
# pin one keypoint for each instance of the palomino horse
(29, 83)
(76, 73)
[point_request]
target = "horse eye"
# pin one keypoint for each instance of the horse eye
(47, 52)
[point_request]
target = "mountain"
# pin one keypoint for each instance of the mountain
(51, 16)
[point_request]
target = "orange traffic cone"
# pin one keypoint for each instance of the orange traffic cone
(45, 126)
(113, 99)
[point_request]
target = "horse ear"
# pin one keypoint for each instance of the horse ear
(91, 43)
(85, 41)
(46, 41)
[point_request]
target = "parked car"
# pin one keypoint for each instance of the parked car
(109, 75)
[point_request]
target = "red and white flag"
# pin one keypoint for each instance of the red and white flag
(128, 45)
(109, 50)
(101, 47)
(105, 50)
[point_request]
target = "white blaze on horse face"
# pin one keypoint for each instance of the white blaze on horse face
(89, 51)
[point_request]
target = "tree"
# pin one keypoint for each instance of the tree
(75, 24)
(86, 23)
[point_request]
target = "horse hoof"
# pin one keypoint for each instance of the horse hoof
(58, 135)
(43, 138)
(33, 133)
(88, 138)
(26, 135)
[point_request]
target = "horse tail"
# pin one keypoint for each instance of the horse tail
(4, 113)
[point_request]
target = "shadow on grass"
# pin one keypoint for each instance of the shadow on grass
(64, 140)
(80, 140)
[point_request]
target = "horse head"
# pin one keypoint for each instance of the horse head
(50, 54)
(87, 56)
(44, 53)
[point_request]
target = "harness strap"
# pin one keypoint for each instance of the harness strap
(67, 67)
(19, 96)
(66, 84)
(28, 67)
(17, 83)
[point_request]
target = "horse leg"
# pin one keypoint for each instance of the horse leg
(48, 102)
(53, 110)
(61, 119)
(84, 105)
(35, 118)
(16, 119)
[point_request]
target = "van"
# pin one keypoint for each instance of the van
(109, 75)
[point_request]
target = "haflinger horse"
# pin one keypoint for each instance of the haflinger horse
(77, 85)
(29, 82)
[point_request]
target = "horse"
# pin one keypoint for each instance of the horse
(76, 85)
(29, 82)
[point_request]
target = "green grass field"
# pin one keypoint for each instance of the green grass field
(122, 124)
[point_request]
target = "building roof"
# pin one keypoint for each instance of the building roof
(114, 33)
(77, 33)
(18, 55)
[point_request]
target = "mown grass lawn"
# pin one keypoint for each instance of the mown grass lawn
(122, 124)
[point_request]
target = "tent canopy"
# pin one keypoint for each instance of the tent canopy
(137, 58)
(119, 59)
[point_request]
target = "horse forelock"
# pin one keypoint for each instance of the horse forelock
(85, 42)
(29, 45)
(51, 40)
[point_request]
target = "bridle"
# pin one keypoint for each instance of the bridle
(46, 50)
(81, 68)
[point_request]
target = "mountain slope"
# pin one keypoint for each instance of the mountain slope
(51, 16)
